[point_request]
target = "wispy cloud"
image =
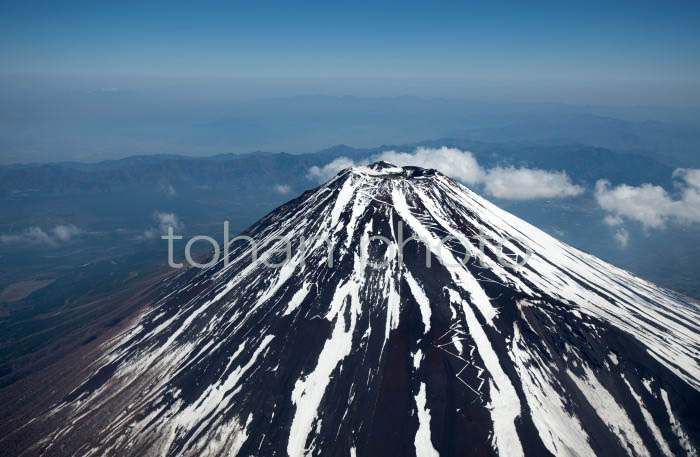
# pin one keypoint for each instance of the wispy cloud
(168, 190)
(282, 189)
(36, 235)
(622, 236)
(506, 183)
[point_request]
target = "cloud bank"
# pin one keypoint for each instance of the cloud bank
(507, 183)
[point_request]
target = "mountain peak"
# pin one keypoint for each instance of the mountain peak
(383, 165)
(384, 169)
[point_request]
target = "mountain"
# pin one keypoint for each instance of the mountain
(530, 347)
(670, 143)
(151, 173)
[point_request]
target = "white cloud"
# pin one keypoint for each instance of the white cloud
(282, 189)
(37, 235)
(622, 236)
(453, 162)
(164, 221)
(689, 175)
(506, 183)
(651, 205)
(528, 184)
(613, 220)
(66, 232)
(326, 172)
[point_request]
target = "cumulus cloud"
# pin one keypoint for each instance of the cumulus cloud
(613, 220)
(37, 235)
(326, 172)
(453, 162)
(527, 184)
(690, 176)
(282, 189)
(651, 205)
(459, 164)
(506, 183)
(164, 221)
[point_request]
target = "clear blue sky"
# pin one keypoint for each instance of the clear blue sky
(96, 78)
(422, 40)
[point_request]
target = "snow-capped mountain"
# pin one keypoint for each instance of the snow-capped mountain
(529, 347)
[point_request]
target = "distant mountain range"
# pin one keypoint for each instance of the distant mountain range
(91, 127)
(582, 163)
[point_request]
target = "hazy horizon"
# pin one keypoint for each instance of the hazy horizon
(94, 81)
(82, 119)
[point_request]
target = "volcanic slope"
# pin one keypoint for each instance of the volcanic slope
(527, 347)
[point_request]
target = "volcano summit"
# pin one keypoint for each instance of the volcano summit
(529, 347)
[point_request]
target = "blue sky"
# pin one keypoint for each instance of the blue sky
(106, 79)
(492, 40)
